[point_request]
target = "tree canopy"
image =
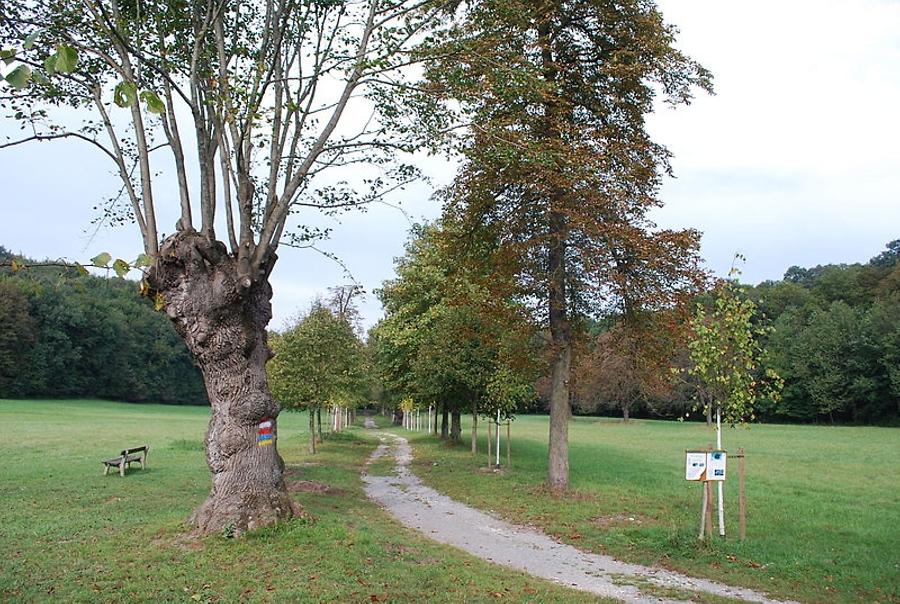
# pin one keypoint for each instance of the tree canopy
(559, 163)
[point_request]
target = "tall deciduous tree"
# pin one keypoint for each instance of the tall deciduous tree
(251, 101)
(451, 335)
(558, 159)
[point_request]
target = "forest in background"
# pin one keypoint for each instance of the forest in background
(835, 340)
(832, 332)
(68, 335)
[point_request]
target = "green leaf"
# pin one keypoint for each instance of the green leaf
(81, 270)
(50, 64)
(153, 102)
(125, 94)
(8, 55)
(30, 39)
(19, 77)
(101, 259)
(142, 260)
(121, 267)
(40, 77)
(66, 58)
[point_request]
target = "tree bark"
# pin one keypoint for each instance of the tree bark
(223, 324)
(560, 334)
(455, 426)
(625, 412)
(444, 427)
(560, 329)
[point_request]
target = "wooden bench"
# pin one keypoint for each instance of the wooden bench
(126, 458)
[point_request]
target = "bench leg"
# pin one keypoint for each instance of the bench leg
(122, 469)
(106, 470)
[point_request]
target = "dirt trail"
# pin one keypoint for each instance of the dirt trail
(522, 548)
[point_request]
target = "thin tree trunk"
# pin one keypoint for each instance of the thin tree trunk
(319, 422)
(224, 327)
(455, 426)
(625, 412)
(474, 427)
(312, 431)
(445, 432)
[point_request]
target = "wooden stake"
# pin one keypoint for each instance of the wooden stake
(490, 460)
(702, 512)
(742, 497)
(508, 464)
(709, 510)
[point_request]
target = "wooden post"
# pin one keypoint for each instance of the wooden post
(702, 511)
(742, 498)
(709, 510)
(490, 460)
(508, 463)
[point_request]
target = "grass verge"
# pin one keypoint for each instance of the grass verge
(823, 502)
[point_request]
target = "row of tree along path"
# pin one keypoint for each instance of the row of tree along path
(523, 548)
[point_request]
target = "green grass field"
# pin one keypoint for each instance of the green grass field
(823, 520)
(823, 502)
(70, 534)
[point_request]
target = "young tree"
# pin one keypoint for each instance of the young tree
(252, 101)
(558, 159)
(726, 357)
(318, 362)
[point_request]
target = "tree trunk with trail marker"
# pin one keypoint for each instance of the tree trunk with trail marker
(223, 322)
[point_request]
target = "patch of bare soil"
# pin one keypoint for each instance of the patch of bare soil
(308, 486)
(186, 542)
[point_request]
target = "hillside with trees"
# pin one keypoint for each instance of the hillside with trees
(836, 340)
(68, 335)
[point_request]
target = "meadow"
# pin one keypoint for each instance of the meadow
(823, 511)
(70, 534)
(823, 519)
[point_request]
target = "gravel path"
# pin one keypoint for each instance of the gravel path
(522, 548)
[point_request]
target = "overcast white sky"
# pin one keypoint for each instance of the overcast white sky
(794, 161)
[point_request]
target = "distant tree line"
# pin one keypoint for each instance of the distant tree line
(836, 340)
(832, 334)
(65, 334)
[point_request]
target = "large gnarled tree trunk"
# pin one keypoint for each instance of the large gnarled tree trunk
(224, 325)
